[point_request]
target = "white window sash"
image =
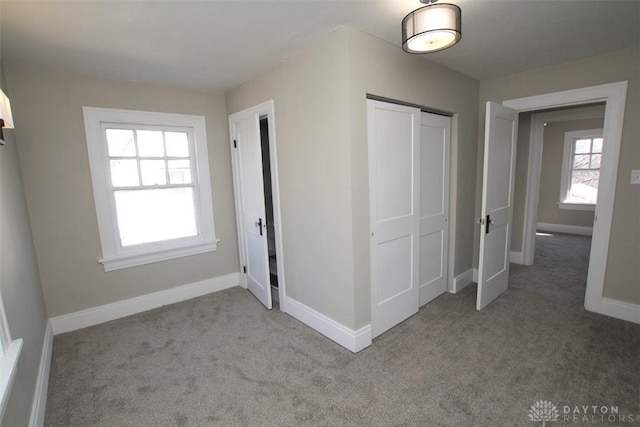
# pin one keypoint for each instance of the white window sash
(567, 168)
(114, 255)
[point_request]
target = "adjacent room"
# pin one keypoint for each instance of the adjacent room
(313, 212)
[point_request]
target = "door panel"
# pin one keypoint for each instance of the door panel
(431, 262)
(497, 202)
(394, 177)
(394, 165)
(251, 204)
(496, 265)
(394, 268)
(435, 134)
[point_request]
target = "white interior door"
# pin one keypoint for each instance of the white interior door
(435, 133)
(250, 204)
(497, 202)
(394, 181)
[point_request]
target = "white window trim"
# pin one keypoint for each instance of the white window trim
(9, 356)
(115, 256)
(565, 183)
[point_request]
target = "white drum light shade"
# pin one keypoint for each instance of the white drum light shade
(431, 28)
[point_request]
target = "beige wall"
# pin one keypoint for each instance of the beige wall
(320, 109)
(623, 270)
(53, 154)
(379, 68)
(310, 96)
(19, 278)
(551, 174)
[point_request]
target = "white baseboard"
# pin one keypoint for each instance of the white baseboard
(348, 338)
(42, 383)
(105, 313)
(562, 228)
(475, 275)
(516, 257)
(618, 309)
(462, 280)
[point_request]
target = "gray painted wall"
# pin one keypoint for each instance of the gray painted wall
(48, 104)
(551, 174)
(19, 277)
(623, 270)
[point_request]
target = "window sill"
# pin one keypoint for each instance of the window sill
(8, 368)
(120, 262)
(577, 206)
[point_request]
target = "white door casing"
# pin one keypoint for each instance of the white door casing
(497, 202)
(250, 204)
(394, 180)
(435, 134)
(614, 95)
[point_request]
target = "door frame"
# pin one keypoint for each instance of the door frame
(614, 96)
(265, 109)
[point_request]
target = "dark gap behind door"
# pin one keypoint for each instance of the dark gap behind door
(266, 175)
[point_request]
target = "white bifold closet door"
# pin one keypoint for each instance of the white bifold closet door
(408, 235)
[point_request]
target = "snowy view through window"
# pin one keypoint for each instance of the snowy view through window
(585, 171)
(152, 180)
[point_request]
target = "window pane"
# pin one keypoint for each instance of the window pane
(146, 216)
(581, 161)
(177, 144)
(121, 143)
(124, 173)
(583, 146)
(597, 145)
(595, 161)
(150, 143)
(153, 172)
(179, 171)
(584, 187)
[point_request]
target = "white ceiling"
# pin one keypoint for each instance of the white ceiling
(219, 44)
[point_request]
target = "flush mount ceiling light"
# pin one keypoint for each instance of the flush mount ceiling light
(431, 28)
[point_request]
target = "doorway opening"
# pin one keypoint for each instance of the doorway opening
(613, 95)
(545, 151)
(268, 201)
(566, 200)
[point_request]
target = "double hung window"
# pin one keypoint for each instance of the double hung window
(581, 169)
(151, 184)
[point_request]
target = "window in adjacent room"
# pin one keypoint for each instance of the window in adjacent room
(581, 169)
(151, 183)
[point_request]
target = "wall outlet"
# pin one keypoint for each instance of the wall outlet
(635, 177)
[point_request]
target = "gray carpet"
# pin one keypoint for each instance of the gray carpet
(224, 360)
